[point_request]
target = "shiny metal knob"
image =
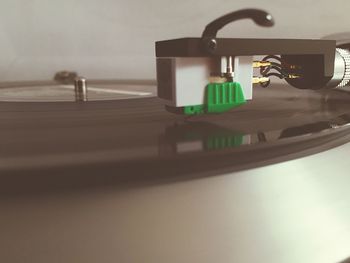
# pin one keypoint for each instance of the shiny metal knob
(80, 89)
(341, 76)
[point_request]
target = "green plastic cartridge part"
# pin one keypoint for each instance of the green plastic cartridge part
(219, 97)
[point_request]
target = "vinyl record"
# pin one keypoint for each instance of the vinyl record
(119, 139)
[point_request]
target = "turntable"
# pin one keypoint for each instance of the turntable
(97, 170)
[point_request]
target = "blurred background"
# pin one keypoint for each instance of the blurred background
(115, 38)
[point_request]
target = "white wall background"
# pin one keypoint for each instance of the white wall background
(115, 38)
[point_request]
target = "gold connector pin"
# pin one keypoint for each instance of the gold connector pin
(293, 76)
(257, 80)
(260, 64)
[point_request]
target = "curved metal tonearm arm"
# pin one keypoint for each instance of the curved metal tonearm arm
(260, 17)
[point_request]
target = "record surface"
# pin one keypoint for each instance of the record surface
(136, 138)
